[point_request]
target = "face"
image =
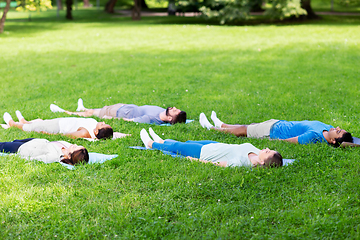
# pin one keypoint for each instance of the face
(172, 111)
(265, 154)
(336, 132)
(72, 149)
(101, 125)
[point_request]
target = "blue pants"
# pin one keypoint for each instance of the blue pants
(12, 147)
(188, 148)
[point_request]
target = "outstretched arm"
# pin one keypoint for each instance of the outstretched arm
(292, 140)
(87, 113)
(80, 133)
(128, 119)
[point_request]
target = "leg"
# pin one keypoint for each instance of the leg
(186, 149)
(12, 123)
(237, 130)
(203, 142)
(86, 113)
(12, 147)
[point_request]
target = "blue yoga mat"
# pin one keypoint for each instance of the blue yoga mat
(93, 158)
(168, 124)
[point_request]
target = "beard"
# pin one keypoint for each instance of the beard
(167, 111)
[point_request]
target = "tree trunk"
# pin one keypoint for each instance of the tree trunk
(171, 8)
(86, 3)
(305, 4)
(69, 4)
(256, 6)
(110, 5)
(143, 4)
(136, 11)
(61, 7)
(3, 18)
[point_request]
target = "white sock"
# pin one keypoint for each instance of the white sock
(204, 122)
(19, 115)
(145, 138)
(154, 135)
(80, 106)
(54, 108)
(7, 118)
(217, 121)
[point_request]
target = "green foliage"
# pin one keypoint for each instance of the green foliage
(33, 5)
(348, 2)
(226, 11)
(245, 73)
(281, 9)
(236, 10)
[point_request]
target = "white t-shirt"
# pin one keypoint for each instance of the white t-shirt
(42, 150)
(233, 154)
(72, 124)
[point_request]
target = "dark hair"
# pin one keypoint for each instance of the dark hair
(105, 132)
(76, 157)
(275, 161)
(346, 137)
(180, 118)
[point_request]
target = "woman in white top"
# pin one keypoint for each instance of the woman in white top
(73, 127)
(221, 154)
(46, 151)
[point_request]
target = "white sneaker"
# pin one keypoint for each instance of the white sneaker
(80, 106)
(154, 135)
(7, 117)
(204, 121)
(145, 138)
(215, 119)
(19, 115)
(54, 108)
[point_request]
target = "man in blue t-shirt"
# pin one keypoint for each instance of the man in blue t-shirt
(302, 132)
(130, 112)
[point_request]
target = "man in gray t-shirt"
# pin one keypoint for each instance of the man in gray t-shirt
(130, 112)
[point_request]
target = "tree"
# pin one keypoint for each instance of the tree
(281, 9)
(3, 18)
(143, 4)
(25, 5)
(69, 4)
(305, 4)
(235, 10)
(110, 5)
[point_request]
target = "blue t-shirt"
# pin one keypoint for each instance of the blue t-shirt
(141, 114)
(306, 131)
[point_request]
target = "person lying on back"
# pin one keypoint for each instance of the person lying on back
(71, 126)
(45, 151)
(129, 112)
(221, 154)
(302, 132)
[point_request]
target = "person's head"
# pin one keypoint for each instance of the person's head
(75, 154)
(270, 158)
(103, 131)
(338, 135)
(175, 115)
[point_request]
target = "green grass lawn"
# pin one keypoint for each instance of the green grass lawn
(245, 73)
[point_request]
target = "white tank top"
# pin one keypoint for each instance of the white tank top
(72, 124)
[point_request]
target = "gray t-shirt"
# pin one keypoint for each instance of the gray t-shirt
(233, 154)
(141, 114)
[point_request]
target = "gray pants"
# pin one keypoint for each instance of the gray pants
(110, 110)
(260, 130)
